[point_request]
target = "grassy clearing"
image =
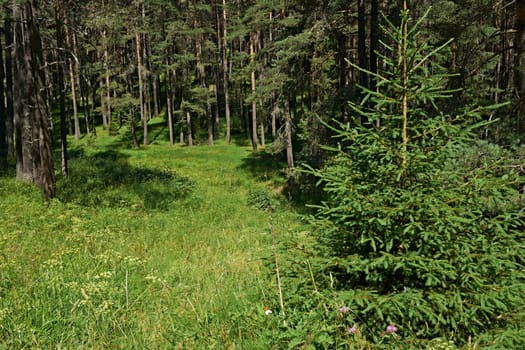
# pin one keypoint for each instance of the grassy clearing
(107, 266)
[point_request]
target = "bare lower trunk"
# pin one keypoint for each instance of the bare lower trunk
(225, 72)
(62, 100)
(73, 87)
(254, 103)
(33, 134)
(288, 131)
(3, 139)
(519, 63)
(190, 135)
(210, 122)
(263, 140)
(141, 88)
(10, 126)
(169, 106)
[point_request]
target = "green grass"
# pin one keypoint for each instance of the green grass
(153, 248)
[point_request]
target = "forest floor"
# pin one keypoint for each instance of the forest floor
(160, 247)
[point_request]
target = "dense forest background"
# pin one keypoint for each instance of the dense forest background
(400, 126)
(269, 70)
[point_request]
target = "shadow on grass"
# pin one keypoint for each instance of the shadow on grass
(107, 179)
(297, 190)
(264, 166)
(10, 170)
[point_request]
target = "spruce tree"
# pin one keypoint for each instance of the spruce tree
(411, 235)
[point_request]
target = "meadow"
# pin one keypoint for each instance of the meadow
(156, 248)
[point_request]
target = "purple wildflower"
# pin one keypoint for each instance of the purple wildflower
(391, 328)
(344, 309)
(351, 330)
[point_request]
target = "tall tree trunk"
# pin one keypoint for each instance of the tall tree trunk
(153, 80)
(141, 87)
(519, 63)
(210, 121)
(105, 90)
(3, 119)
(188, 124)
(181, 128)
(374, 41)
(217, 107)
(33, 141)
(169, 109)
(72, 80)
(80, 84)
(61, 88)
(169, 98)
(254, 103)
(263, 139)
(274, 113)
(404, 99)
(225, 71)
(288, 135)
(361, 42)
(132, 125)
(10, 126)
(156, 97)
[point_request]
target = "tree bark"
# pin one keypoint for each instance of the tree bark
(225, 72)
(519, 63)
(33, 141)
(254, 103)
(374, 41)
(210, 121)
(169, 100)
(10, 126)
(72, 80)
(132, 116)
(3, 116)
(83, 100)
(105, 90)
(141, 87)
(188, 124)
(288, 136)
(3, 121)
(361, 42)
(62, 100)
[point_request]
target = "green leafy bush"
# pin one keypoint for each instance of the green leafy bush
(412, 233)
(261, 199)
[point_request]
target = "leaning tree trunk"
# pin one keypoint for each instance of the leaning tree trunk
(33, 137)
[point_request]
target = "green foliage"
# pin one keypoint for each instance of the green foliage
(261, 199)
(413, 234)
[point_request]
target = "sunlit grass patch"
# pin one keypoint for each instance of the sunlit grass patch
(151, 248)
